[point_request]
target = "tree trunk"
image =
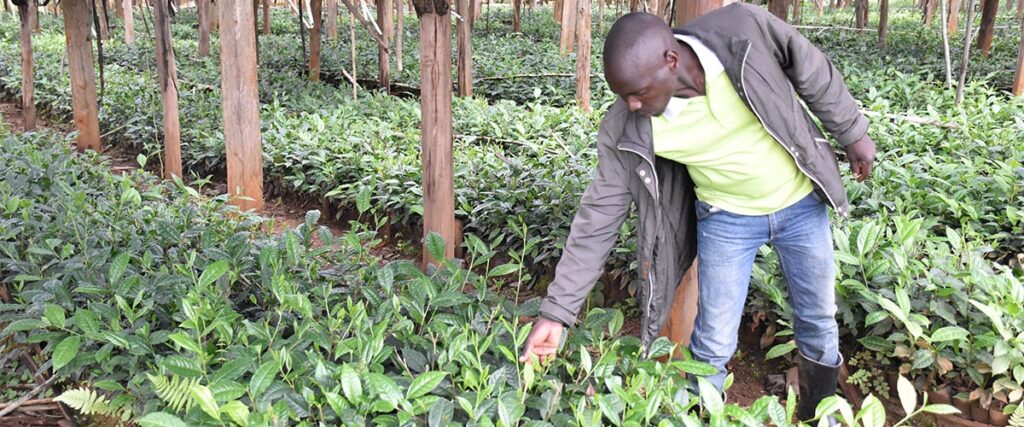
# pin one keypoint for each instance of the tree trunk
(686, 10)
(384, 20)
(167, 78)
(954, 15)
(399, 33)
(967, 53)
(683, 313)
(35, 19)
(929, 12)
(568, 36)
(883, 26)
(266, 17)
(352, 44)
(332, 20)
(464, 38)
(314, 40)
(436, 134)
(203, 9)
(798, 6)
(989, 10)
(516, 5)
(861, 13)
(129, 21)
(119, 9)
(28, 104)
(1018, 78)
(583, 54)
(83, 75)
(240, 104)
(779, 8)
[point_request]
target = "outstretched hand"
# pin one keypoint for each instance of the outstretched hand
(543, 340)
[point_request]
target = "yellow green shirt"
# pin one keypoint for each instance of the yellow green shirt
(733, 161)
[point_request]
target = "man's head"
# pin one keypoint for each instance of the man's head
(644, 64)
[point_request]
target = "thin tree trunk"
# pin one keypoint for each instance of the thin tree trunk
(83, 75)
(1018, 77)
(883, 26)
(779, 8)
(861, 12)
(203, 10)
(967, 53)
(384, 20)
(28, 105)
(240, 104)
(266, 17)
(352, 43)
(798, 6)
(400, 32)
(129, 21)
(516, 5)
(945, 47)
(314, 40)
(989, 10)
(929, 12)
(954, 15)
(332, 20)
(464, 61)
(167, 77)
(436, 131)
(583, 54)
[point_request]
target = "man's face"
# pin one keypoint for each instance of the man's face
(646, 86)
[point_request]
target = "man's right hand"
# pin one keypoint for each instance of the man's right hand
(543, 340)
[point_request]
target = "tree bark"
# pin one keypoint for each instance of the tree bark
(203, 10)
(861, 12)
(516, 5)
(314, 40)
(384, 20)
(583, 54)
(332, 20)
(399, 33)
(568, 36)
(779, 8)
(954, 15)
(798, 6)
(352, 44)
(129, 22)
(686, 10)
(436, 108)
(83, 75)
(266, 17)
(1018, 77)
(28, 104)
(464, 37)
(167, 77)
(883, 26)
(989, 10)
(929, 12)
(967, 53)
(240, 104)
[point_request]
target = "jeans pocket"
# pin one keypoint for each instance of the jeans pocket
(705, 210)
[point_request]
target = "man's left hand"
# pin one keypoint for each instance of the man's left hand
(861, 155)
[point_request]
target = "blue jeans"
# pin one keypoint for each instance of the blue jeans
(726, 246)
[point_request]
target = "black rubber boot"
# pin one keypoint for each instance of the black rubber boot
(817, 381)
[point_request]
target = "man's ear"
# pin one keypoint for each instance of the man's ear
(672, 59)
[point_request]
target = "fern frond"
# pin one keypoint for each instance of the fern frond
(1017, 419)
(175, 392)
(86, 401)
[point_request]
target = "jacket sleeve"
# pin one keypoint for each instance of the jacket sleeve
(595, 228)
(815, 79)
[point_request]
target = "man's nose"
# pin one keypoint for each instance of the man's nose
(634, 104)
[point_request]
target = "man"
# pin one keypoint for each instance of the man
(710, 141)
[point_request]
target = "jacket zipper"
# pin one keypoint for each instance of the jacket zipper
(743, 67)
(650, 269)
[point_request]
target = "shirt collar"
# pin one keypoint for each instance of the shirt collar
(708, 61)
